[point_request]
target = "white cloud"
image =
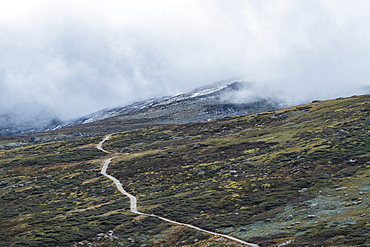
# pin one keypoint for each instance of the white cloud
(76, 57)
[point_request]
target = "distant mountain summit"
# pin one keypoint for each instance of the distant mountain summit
(202, 104)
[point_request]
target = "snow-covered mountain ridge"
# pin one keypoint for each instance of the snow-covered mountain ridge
(202, 104)
(210, 102)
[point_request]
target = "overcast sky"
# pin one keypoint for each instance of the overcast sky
(75, 57)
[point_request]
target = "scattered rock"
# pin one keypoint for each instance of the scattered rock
(286, 243)
(278, 116)
(198, 145)
(3, 183)
(303, 190)
(340, 132)
(326, 175)
(353, 203)
(198, 171)
(86, 243)
(126, 150)
(290, 217)
(341, 188)
(311, 216)
(104, 236)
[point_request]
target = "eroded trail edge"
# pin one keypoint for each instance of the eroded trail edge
(133, 200)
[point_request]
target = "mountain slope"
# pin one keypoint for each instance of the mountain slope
(202, 104)
(292, 177)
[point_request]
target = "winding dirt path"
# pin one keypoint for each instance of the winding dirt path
(133, 200)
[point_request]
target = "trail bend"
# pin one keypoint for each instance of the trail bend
(133, 200)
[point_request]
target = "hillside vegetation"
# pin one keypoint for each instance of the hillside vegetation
(293, 177)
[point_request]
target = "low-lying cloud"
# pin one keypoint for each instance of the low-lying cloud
(76, 57)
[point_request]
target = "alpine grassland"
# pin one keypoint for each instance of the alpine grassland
(298, 176)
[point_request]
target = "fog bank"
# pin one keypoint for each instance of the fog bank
(76, 57)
